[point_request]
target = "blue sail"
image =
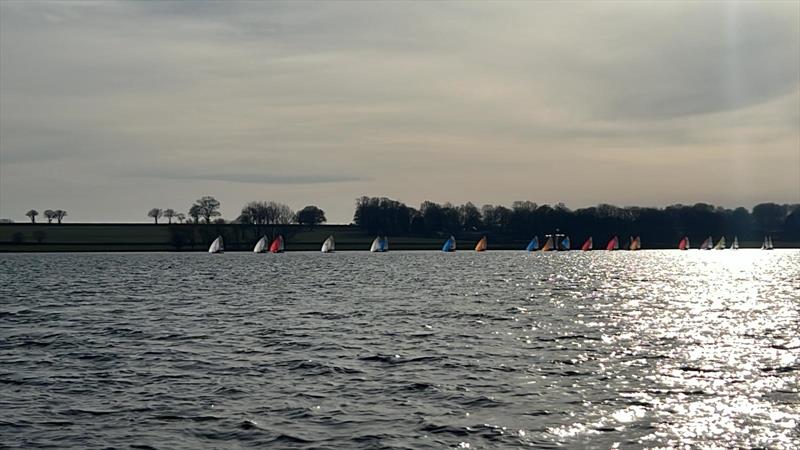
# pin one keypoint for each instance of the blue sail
(449, 245)
(533, 245)
(384, 244)
(565, 243)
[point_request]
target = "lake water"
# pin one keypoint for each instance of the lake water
(400, 350)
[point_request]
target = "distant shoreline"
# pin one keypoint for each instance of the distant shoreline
(143, 237)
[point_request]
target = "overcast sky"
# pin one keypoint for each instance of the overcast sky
(108, 109)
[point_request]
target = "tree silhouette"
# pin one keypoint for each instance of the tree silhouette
(260, 213)
(155, 213)
(50, 215)
(180, 217)
(310, 215)
(32, 214)
(60, 214)
(169, 213)
(194, 213)
(207, 207)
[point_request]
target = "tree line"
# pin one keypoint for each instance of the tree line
(523, 219)
(50, 214)
(206, 210)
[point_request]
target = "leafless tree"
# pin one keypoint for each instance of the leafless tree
(32, 214)
(155, 213)
(169, 213)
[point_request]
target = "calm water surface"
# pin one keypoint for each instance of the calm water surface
(401, 350)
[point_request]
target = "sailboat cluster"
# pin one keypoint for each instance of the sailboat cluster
(554, 242)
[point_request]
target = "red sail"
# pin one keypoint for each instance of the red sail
(587, 245)
(683, 244)
(277, 245)
(612, 244)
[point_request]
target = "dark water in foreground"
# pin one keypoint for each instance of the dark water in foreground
(400, 350)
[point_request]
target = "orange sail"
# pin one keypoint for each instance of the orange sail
(613, 244)
(587, 245)
(481, 245)
(636, 243)
(548, 246)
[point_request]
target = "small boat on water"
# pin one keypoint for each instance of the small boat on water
(767, 245)
(329, 246)
(706, 245)
(636, 243)
(735, 244)
(261, 245)
(684, 243)
(481, 245)
(587, 245)
(720, 244)
(379, 245)
(533, 245)
(613, 244)
(565, 244)
(548, 245)
(449, 245)
(277, 245)
(217, 246)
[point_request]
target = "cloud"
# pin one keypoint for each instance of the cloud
(402, 99)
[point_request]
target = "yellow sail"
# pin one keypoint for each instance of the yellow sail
(481, 246)
(548, 246)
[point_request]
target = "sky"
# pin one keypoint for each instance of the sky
(109, 109)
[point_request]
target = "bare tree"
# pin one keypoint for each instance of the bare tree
(60, 214)
(32, 214)
(169, 213)
(180, 217)
(155, 213)
(207, 207)
(50, 215)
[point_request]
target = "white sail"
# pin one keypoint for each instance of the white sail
(376, 245)
(329, 246)
(261, 245)
(735, 244)
(720, 244)
(769, 243)
(706, 245)
(216, 246)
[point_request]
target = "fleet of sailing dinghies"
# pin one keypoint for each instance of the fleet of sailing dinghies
(587, 245)
(481, 245)
(767, 245)
(380, 245)
(216, 246)
(329, 246)
(636, 243)
(449, 245)
(261, 245)
(707, 244)
(533, 245)
(684, 243)
(277, 245)
(613, 244)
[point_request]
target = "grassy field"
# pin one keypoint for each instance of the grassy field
(21, 237)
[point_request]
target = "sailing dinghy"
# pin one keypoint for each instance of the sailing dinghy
(449, 245)
(481, 245)
(767, 245)
(587, 245)
(613, 244)
(706, 245)
(380, 245)
(636, 243)
(735, 244)
(720, 244)
(329, 246)
(565, 243)
(261, 245)
(533, 245)
(277, 245)
(684, 244)
(216, 246)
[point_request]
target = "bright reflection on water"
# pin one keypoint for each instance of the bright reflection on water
(694, 349)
